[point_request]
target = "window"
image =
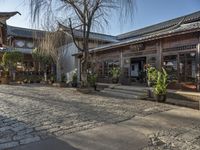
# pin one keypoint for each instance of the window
(188, 67)
(30, 45)
(170, 64)
(19, 43)
(108, 65)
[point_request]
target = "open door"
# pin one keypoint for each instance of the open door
(135, 70)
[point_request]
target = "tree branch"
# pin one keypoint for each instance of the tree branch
(73, 37)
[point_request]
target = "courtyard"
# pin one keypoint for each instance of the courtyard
(35, 113)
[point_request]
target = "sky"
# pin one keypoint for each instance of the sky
(147, 12)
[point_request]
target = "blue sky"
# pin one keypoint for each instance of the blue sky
(148, 12)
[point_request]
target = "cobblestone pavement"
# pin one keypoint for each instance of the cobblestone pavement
(175, 139)
(32, 113)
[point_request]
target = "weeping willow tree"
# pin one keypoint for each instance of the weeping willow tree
(43, 60)
(85, 15)
(51, 47)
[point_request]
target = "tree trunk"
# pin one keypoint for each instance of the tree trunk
(84, 74)
(45, 76)
(14, 75)
(58, 71)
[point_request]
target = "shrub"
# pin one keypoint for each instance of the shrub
(10, 59)
(63, 77)
(92, 78)
(160, 87)
(152, 74)
(115, 72)
(74, 77)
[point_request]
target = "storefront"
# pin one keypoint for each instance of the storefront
(173, 45)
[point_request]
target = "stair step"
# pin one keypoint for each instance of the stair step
(126, 92)
(115, 93)
(131, 89)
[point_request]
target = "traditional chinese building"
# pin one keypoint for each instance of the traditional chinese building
(173, 44)
(24, 40)
(4, 16)
(19, 39)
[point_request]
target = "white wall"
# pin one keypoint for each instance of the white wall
(69, 61)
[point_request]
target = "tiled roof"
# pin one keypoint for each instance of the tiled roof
(7, 15)
(97, 36)
(190, 27)
(160, 26)
(93, 35)
(24, 32)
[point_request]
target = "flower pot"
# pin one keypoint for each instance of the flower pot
(150, 83)
(74, 84)
(85, 90)
(115, 80)
(160, 98)
(5, 80)
(59, 84)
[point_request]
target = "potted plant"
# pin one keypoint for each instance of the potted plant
(63, 78)
(74, 80)
(115, 72)
(5, 77)
(92, 78)
(160, 88)
(151, 76)
(52, 79)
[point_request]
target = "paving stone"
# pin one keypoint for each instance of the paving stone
(20, 137)
(8, 145)
(31, 113)
(5, 140)
(5, 128)
(30, 140)
(25, 131)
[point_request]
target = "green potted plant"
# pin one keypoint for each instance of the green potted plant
(160, 88)
(5, 77)
(74, 80)
(115, 72)
(63, 78)
(92, 78)
(151, 76)
(52, 79)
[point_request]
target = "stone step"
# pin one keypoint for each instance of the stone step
(130, 92)
(123, 94)
(131, 89)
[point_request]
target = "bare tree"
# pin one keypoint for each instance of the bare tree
(52, 45)
(81, 14)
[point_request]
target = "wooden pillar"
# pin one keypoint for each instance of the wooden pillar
(121, 59)
(198, 66)
(159, 55)
(121, 66)
(178, 68)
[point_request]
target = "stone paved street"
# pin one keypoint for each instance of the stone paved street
(32, 113)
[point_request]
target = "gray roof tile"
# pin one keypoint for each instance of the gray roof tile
(92, 36)
(24, 32)
(179, 29)
(160, 26)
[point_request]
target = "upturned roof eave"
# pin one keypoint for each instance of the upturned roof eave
(127, 43)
